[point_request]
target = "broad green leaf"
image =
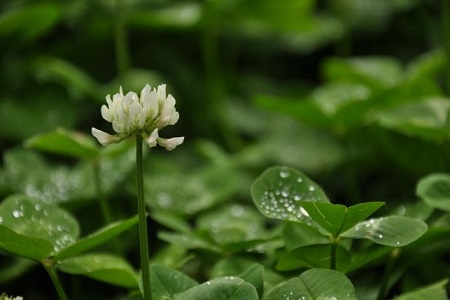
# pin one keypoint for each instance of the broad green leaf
(103, 267)
(330, 216)
(201, 190)
(367, 256)
(50, 184)
(314, 284)
(314, 256)
(29, 22)
(189, 241)
(97, 238)
(64, 142)
(29, 247)
(359, 212)
(170, 220)
(226, 288)
(233, 224)
(172, 256)
(166, 282)
(394, 231)
(426, 119)
(279, 192)
(374, 72)
(434, 189)
(71, 76)
(255, 276)
(435, 291)
(296, 235)
(39, 220)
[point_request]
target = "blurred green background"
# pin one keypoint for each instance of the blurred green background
(352, 92)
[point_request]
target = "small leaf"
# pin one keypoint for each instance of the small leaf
(366, 256)
(279, 192)
(394, 231)
(166, 282)
(255, 276)
(226, 288)
(315, 284)
(189, 240)
(313, 256)
(359, 212)
(103, 267)
(35, 219)
(435, 291)
(330, 216)
(296, 235)
(435, 190)
(65, 143)
(29, 247)
(97, 238)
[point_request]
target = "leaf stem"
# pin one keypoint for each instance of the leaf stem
(387, 273)
(143, 236)
(51, 270)
(333, 254)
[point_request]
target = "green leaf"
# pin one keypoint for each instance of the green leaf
(330, 216)
(434, 189)
(39, 220)
(189, 240)
(29, 22)
(296, 235)
(226, 288)
(72, 77)
(336, 218)
(29, 247)
(97, 238)
(315, 284)
(103, 267)
(435, 291)
(313, 256)
(375, 72)
(394, 231)
(233, 224)
(367, 256)
(255, 276)
(65, 143)
(279, 192)
(166, 282)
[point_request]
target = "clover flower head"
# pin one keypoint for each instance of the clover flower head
(146, 114)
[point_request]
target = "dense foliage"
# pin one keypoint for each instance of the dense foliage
(315, 161)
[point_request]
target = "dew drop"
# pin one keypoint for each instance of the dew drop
(16, 214)
(208, 283)
(37, 207)
(311, 188)
(1, 219)
(284, 174)
(380, 236)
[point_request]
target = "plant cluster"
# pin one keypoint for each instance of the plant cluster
(314, 164)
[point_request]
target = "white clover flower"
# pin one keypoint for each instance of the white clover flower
(144, 115)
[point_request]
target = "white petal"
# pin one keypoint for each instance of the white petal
(106, 113)
(170, 144)
(151, 141)
(103, 137)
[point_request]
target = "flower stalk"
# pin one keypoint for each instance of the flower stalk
(143, 234)
(50, 268)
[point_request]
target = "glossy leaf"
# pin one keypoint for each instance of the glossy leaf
(166, 282)
(336, 218)
(255, 276)
(313, 256)
(434, 189)
(97, 238)
(226, 288)
(279, 192)
(435, 291)
(29, 247)
(103, 267)
(64, 142)
(314, 284)
(394, 231)
(38, 220)
(296, 235)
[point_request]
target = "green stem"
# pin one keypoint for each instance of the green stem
(333, 254)
(122, 57)
(143, 235)
(387, 273)
(446, 27)
(51, 270)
